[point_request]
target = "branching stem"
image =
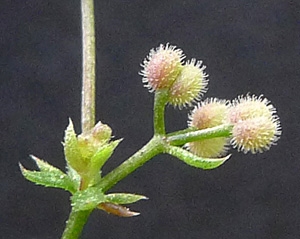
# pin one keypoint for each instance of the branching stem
(158, 144)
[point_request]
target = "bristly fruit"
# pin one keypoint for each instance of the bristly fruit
(161, 67)
(250, 106)
(189, 85)
(209, 113)
(256, 124)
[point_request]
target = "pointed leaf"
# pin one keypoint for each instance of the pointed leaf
(74, 176)
(101, 156)
(71, 149)
(49, 176)
(194, 160)
(123, 198)
(87, 199)
(43, 165)
(117, 210)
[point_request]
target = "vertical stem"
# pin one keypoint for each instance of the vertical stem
(75, 224)
(77, 219)
(89, 58)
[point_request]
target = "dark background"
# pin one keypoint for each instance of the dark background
(248, 46)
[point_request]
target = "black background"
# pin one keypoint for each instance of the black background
(248, 46)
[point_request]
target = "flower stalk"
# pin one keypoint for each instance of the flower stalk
(159, 144)
(160, 101)
(214, 132)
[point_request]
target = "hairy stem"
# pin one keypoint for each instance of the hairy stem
(160, 144)
(89, 58)
(160, 101)
(75, 224)
(78, 219)
(152, 148)
(190, 136)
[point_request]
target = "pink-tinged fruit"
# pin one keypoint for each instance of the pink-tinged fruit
(161, 67)
(255, 135)
(256, 125)
(189, 85)
(250, 107)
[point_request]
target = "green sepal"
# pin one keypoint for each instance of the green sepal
(123, 198)
(48, 176)
(72, 151)
(194, 160)
(101, 156)
(87, 199)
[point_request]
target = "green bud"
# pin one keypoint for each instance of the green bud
(87, 152)
(90, 142)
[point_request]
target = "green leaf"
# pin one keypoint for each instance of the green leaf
(194, 160)
(49, 176)
(101, 156)
(123, 198)
(74, 176)
(87, 199)
(71, 149)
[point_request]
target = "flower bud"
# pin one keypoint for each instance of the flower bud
(256, 125)
(189, 85)
(161, 67)
(87, 152)
(101, 132)
(91, 141)
(210, 113)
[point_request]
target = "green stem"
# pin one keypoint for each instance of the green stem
(183, 131)
(75, 224)
(159, 144)
(214, 132)
(78, 219)
(89, 58)
(152, 148)
(160, 101)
